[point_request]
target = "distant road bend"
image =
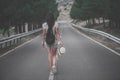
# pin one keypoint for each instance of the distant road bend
(84, 60)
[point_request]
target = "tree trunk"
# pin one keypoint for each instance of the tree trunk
(86, 22)
(98, 20)
(104, 22)
(16, 29)
(23, 27)
(89, 22)
(29, 27)
(110, 23)
(93, 21)
(117, 24)
(8, 33)
(20, 29)
(26, 27)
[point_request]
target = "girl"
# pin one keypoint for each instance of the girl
(50, 38)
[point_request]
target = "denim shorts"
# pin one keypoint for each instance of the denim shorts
(54, 45)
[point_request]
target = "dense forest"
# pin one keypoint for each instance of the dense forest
(92, 10)
(16, 13)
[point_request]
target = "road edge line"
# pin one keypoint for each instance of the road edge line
(118, 54)
(17, 47)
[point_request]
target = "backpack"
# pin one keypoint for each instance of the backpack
(50, 37)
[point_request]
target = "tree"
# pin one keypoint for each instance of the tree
(18, 12)
(114, 13)
(91, 9)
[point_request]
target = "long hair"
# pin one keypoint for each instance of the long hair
(50, 20)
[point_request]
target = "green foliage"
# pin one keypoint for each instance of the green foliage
(75, 11)
(16, 12)
(90, 9)
(53, 8)
(86, 9)
(114, 10)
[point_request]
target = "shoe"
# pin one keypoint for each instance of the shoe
(54, 69)
(51, 76)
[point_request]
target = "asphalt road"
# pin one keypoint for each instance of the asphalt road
(84, 60)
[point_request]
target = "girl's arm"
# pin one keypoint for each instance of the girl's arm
(58, 35)
(43, 36)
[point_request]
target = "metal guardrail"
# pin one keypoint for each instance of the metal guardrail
(117, 40)
(18, 36)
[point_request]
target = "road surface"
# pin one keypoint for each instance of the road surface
(84, 60)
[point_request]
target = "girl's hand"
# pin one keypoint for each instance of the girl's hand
(43, 44)
(60, 43)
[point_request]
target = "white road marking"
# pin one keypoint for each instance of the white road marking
(97, 42)
(18, 47)
(73, 29)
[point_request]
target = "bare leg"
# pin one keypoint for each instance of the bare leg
(54, 55)
(49, 57)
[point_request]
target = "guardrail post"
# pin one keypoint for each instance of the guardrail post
(20, 40)
(10, 43)
(1, 46)
(16, 39)
(5, 44)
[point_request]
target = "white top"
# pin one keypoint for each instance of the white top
(45, 26)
